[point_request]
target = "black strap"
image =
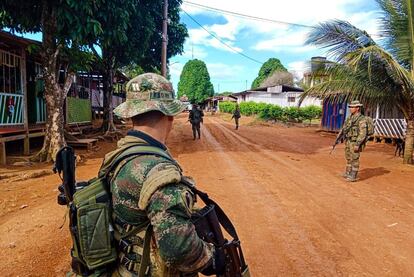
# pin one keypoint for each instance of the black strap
(221, 215)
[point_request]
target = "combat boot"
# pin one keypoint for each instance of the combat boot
(347, 172)
(352, 176)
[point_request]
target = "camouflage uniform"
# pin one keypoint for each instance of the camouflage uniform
(196, 117)
(355, 128)
(236, 116)
(146, 189)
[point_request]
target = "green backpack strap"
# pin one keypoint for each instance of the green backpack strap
(146, 260)
(135, 150)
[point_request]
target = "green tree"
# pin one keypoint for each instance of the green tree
(268, 68)
(66, 26)
(363, 70)
(131, 38)
(195, 82)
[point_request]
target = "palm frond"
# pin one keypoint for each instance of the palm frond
(340, 37)
(344, 83)
(395, 29)
(376, 61)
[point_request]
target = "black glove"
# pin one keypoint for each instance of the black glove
(218, 265)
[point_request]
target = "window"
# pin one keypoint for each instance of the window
(10, 75)
(291, 99)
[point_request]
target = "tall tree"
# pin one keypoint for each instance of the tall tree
(364, 70)
(268, 68)
(131, 38)
(66, 26)
(195, 82)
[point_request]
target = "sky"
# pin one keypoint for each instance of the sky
(258, 39)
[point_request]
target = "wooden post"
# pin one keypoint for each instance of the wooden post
(164, 40)
(3, 160)
(25, 106)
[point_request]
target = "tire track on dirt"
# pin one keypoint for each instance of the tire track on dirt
(307, 187)
(271, 210)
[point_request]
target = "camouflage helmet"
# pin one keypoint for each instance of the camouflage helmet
(149, 92)
(355, 104)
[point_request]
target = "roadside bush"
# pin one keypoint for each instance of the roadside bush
(227, 107)
(274, 112)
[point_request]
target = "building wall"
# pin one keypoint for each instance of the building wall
(284, 99)
(11, 91)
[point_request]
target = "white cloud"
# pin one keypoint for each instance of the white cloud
(293, 11)
(278, 36)
(221, 71)
(285, 41)
(192, 51)
(298, 68)
(201, 37)
(175, 70)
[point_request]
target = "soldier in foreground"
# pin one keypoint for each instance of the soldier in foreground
(354, 132)
(236, 115)
(148, 187)
(196, 118)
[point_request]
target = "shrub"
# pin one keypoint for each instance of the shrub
(274, 112)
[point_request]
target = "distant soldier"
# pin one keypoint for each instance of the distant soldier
(355, 134)
(196, 117)
(236, 116)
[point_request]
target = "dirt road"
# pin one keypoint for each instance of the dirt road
(281, 188)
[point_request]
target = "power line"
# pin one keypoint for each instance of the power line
(220, 40)
(246, 16)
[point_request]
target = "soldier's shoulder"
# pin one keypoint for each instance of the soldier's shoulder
(140, 166)
(158, 174)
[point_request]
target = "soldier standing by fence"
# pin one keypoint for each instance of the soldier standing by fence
(355, 133)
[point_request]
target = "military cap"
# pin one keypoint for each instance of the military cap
(149, 92)
(355, 104)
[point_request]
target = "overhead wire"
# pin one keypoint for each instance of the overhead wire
(217, 10)
(220, 40)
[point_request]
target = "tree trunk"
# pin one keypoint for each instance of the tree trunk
(54, 94)
(108, 117)
(409, 142)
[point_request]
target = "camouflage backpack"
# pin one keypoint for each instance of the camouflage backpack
(370, 126)
(94, 248)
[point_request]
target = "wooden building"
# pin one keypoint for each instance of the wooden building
(22, 103)
(22, 108)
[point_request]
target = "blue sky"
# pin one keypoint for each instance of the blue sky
(261, 40)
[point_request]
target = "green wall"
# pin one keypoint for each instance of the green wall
(78, 110)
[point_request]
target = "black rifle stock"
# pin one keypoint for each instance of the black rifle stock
(65, 165)
(208, 223)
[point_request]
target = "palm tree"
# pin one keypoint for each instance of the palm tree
(362, 69)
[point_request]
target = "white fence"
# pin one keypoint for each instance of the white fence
(390, 128)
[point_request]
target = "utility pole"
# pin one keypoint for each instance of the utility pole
(164, 40)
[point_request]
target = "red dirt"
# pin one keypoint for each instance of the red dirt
(279, 185)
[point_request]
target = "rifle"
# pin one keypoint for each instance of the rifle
(339, 138)
(208, 222)
(65, 164)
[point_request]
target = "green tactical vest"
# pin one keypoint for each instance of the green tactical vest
(102, 238)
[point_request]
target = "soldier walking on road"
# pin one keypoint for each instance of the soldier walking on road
(236, 116)
(196, 117)
(355, 135)
(146, 189)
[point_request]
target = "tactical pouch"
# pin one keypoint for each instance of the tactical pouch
(94, 230)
